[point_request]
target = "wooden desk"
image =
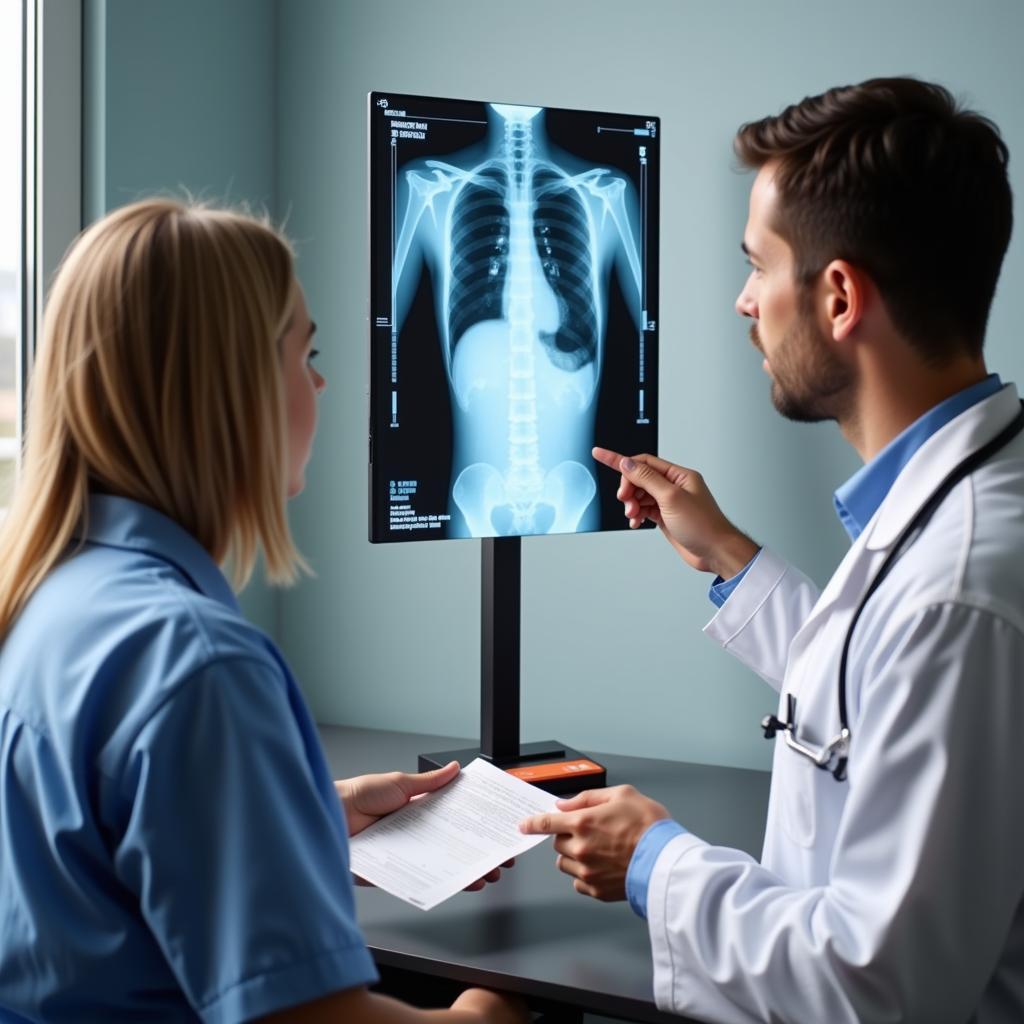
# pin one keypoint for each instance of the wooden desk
(531, 933)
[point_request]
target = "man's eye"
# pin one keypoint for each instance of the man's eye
(313, 353)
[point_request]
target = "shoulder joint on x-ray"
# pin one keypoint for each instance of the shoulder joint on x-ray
(425, 185)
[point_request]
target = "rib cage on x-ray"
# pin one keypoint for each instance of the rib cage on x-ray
(520, 246)
(563, 239)
(561, 234)
(479, 252)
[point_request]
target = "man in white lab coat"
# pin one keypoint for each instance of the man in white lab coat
(891, 882)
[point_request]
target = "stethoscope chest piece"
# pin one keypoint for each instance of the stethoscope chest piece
(832, 757)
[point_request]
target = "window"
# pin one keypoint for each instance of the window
(11, 107)
(40, 185)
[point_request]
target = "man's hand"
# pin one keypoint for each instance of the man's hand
(679, 502)
(369, 797)
(596, 834)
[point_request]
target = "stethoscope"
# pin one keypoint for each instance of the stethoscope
(834, 754)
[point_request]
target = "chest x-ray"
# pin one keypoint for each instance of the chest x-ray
(513, 314)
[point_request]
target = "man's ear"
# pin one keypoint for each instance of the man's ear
(845, 294)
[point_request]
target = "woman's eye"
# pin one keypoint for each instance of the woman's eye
(313, 353)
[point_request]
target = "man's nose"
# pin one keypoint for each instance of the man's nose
(745, 304)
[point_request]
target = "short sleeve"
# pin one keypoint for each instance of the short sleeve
(238, 861)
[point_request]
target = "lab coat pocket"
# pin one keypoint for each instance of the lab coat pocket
(798, 795)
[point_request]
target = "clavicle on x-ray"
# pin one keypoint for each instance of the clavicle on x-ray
(516, 244)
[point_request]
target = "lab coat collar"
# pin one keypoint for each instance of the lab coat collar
(917, 481)
(930, 464)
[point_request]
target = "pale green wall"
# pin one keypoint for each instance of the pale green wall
(180, 97)
(613, 657)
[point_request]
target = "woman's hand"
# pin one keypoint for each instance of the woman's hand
(494, 1007)
(369, 797)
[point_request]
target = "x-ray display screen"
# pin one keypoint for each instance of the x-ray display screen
(513, 315)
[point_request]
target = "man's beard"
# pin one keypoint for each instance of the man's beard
(809, 384)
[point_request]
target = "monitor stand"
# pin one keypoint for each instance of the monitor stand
(550, 765)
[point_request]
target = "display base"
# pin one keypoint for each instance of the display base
(550, 765)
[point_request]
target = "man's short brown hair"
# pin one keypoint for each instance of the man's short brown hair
(898, 179)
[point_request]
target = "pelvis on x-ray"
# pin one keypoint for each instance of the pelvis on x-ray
(520, 240)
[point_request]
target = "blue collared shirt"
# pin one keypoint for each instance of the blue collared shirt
(721, 589)
(858, 499)
(171, 844)
(855, 503)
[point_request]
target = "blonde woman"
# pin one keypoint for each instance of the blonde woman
(171, 844)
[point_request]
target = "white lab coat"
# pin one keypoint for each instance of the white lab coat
(895, 896)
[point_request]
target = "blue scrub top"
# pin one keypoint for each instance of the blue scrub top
(171, 844)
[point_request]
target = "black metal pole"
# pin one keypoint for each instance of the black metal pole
(549, 764)
(500, 593)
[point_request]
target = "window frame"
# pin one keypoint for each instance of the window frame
(51, 166)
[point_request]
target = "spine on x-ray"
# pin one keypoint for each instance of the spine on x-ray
(525, 475)
(524, 498)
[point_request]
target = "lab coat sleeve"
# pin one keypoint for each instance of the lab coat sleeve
(926, 873)
(762, 615)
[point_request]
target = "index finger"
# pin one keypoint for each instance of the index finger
(548, 825)
(607, 457)
(611, 459)
(662, 466)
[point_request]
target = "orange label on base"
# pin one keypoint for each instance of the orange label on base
(555, 770)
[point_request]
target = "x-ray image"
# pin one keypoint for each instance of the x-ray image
(513, 314)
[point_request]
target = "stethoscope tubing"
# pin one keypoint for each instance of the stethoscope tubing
(838, 749)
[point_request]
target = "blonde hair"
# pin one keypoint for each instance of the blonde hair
(159, 379)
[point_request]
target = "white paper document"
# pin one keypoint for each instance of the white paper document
(438, 844)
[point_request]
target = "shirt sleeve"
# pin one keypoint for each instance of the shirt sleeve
(722, 588)
(927, 868)
(641, 864)
(237, 859)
